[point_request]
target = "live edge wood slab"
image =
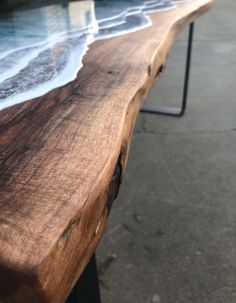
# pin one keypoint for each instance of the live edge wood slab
(62, 159)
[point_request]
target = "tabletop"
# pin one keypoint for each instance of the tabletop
(63, 153)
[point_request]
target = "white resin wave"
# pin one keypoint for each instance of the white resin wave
(42, 49)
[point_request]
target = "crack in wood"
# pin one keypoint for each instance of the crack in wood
(114, 185)
(149, 70)
(160, 70)
(67, 232)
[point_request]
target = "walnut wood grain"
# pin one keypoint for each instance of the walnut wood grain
(62, 158)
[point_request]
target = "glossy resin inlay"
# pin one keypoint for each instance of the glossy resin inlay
(42, 48)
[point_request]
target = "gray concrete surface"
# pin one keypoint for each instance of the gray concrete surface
(172, 231)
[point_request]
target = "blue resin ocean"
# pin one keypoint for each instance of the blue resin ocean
(43, 48)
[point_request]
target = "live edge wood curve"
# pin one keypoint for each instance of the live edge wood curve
(62, 158)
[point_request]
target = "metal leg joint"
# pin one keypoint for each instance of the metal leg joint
(171, 111)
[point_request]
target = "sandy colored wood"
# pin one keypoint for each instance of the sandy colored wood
(58, 155)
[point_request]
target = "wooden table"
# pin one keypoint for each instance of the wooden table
(63, 158)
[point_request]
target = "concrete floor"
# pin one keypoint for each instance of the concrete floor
(172, 231)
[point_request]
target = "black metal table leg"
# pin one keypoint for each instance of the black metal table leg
(172, 111)
(87, 288)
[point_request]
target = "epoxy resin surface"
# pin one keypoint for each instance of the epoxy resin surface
(42, 48)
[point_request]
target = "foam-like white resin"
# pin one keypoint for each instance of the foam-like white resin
(43, 48)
